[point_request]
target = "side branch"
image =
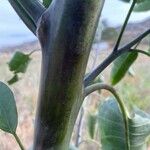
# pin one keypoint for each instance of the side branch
(125, 113)
(124, 25)
(112, 57)
(29, 11)
(141, 51)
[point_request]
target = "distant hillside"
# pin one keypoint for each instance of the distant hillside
(134, 29)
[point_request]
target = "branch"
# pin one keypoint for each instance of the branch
(135, 41)
(140, 51)
(125, 113)
(112, 57)
(18, 141)
(124, 25)
(29, 11)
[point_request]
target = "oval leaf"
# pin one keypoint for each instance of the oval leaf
(143, 6)
(112, 128)
(19, 62)
(8, 110)
(121, 66)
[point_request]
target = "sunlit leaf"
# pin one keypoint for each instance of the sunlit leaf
(121, 66)
(8, 110)
(112, 128)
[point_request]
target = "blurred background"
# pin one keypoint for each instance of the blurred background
(135, 87)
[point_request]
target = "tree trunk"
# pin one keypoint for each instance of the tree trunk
(65, 31)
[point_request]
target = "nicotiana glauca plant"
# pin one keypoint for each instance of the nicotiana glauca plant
(66, 29)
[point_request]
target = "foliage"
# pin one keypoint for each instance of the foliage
(121, 66)
(18, 64)
(62, 95)
(8, 112)
(142, 5)
(112, 128)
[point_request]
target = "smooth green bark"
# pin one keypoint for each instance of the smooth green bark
(66, 32)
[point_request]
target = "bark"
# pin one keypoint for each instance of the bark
(65, 31)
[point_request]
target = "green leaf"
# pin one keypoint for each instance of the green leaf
(19, 62)
(8, 110)
(112, 128)
(46, 3)
(121, 66)
(142, 6)
(13, 80)
(91, 124)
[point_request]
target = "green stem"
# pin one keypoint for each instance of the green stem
(141, 51)
(33, 52)
(115, 54)
(18, 141)
(125, 113)
(124, 25)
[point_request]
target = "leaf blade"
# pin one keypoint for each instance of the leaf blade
(121, 65)
(112, 128)
(8, 110)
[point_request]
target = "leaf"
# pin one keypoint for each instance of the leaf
(121, 66)
(13, 80)
(142, 6)
(19, 62)
(8, 110)
(112, 128)
(46, 3)
(91, 124)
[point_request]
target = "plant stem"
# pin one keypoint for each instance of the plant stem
(33, 51)
(140, 51)
(18, 141)
(65, 53)
(89, 78)
(124, 25)
(125, 113)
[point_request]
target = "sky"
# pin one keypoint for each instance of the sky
(13, 31)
